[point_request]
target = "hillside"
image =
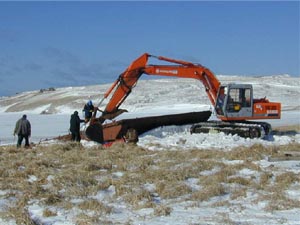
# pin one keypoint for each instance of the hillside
(169, 177)
(150, 94)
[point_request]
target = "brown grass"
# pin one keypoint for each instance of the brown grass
(284, 180)
(275, 192)
(49, 213)
(287, 130)
(83, 219)
(264, 180)
(239, 193)
(162, 210)
(68, 171)
(208, 192)
(95, 205)
(253, 153)
(279, 201)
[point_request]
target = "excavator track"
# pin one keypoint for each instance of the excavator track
(244, 129)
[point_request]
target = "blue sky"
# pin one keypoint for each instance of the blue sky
(57, 44)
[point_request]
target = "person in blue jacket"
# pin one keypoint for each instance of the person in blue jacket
(88, 110)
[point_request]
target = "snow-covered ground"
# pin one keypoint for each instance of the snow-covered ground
(150, 97)
(158, 97)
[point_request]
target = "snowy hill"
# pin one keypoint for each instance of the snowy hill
(49, 110)
(150, 94)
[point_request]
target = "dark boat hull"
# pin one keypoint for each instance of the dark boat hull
(130, 129)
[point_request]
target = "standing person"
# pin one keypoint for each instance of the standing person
(75, 126)
(23, 130)
(88, 110)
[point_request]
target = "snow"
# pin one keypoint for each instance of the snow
(160, 97)
(148, 98)
(102, 195)
(32, 179)
(181, 139)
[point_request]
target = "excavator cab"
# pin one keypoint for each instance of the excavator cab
(234, 101)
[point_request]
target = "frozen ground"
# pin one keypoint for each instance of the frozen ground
(156, 97)
(151, 97)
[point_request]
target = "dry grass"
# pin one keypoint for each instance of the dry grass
(84, 219)
(279, 201)
(264, 181)
(254, 153)
(274, 191)
(224, 218)
(57, 174)
(49, 213)
(95, 205)
(284, 180)
(162, 210)
(239, 193)
(208, 192)
(287, 130)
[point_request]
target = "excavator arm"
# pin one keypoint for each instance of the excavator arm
(122, 87)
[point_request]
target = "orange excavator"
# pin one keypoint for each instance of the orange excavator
(234, 104)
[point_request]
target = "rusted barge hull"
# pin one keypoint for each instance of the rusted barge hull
(130, 129)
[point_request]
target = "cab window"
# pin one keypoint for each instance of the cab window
(238, 98)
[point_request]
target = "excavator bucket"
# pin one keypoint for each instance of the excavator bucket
(95, 132)
(129, 129)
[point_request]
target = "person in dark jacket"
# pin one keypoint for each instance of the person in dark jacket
(75, 126)
(23, 130)
(88, 110)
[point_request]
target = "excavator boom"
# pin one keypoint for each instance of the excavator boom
(128, 79)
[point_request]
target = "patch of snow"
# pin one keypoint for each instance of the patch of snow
(105, 194)
(294, 191)
(36, 214)
(117, 174)
(32, 179)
